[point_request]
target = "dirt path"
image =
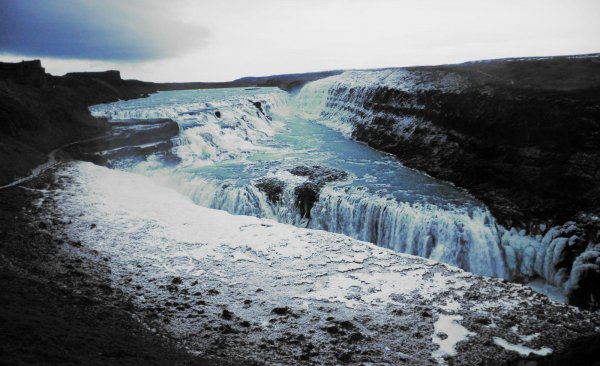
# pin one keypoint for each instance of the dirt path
(51, 162)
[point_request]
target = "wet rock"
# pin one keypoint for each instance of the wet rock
(306, 195)
(280, 311)
(582, 287)
(272, 187)
(258, 106)
(356, 337)
(308, 192)
(177, 281)
(319, 174)
(172, 288)
(227, 315)
(245, 324)
(218, 114)
(227, 329)
(482, 319)
(332, 329)
(129, 139)
(344, 357)
(346, 324)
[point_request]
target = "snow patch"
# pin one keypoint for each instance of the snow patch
(520, 349)
(447, 334)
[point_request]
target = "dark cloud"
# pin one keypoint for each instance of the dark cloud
(125, 30)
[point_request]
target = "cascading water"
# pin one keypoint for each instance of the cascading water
(232, 138)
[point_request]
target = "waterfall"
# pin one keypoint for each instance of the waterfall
(231, 126)
(464, 237)
(345, 102)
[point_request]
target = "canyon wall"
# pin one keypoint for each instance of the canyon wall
(40, 112)
(523, 136)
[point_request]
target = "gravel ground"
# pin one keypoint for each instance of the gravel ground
(57, 305)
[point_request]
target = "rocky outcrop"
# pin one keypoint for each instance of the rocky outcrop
(585, 277)
(129, 139)
(319, 174)
(110, 76)
(25, 72)
(40, 112)
(272, 187)
(307, 192)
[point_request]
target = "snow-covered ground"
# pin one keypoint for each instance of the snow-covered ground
(275, 293)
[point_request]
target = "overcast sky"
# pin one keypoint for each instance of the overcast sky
(187, 40)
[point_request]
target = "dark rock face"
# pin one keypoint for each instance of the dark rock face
(522, 157)
(25, 72)
(307, 193)
(111, 76)
(129, 139)
(585, 277)
(40, 112)
(319, 174)
(272, 187)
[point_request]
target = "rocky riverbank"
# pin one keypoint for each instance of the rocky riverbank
(197, 275)
(40, 112)
(58, 304)
(129, 140)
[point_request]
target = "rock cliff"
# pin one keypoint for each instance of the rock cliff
(40, 112)
(522, 135)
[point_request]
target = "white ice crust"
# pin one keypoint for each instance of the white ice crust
(153, 233)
